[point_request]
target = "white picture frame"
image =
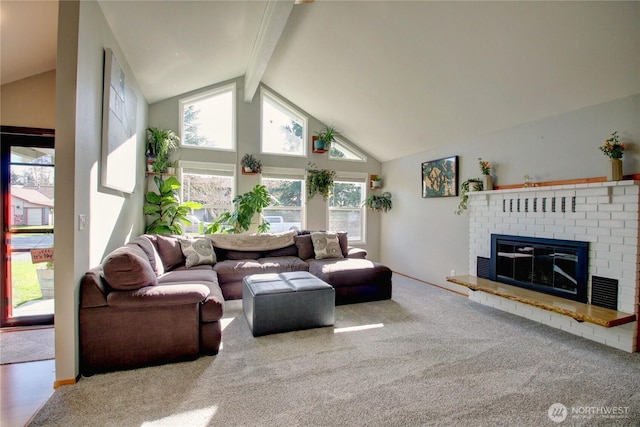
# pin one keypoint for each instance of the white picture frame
(118, 167)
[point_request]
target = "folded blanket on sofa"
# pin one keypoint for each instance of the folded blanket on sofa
(253, 242)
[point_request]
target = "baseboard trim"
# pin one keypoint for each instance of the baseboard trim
(432, 284)
(59, 383)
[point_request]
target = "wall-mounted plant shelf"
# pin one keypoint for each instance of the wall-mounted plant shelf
(313, 146)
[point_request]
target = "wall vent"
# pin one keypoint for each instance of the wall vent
(483, 268)
(604, 292)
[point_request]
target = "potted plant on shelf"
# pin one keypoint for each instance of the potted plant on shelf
(472, 184)
(485, 169)
(165, 209)
(160, 144)
(322, 141)
(319, 181)
(381, 203)
(247, 214)
(614, 149)
(376, 182)
(251, 164)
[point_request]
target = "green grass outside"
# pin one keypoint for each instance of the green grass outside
(25, 282)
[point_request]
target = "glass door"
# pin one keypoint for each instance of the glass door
(28, 180)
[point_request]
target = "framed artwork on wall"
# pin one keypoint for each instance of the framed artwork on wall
(118, 166)
(440, 177)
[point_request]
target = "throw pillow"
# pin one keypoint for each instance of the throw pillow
(305, 246)
(198, 252)
(326, 245)
(170, 251)
(128, 268)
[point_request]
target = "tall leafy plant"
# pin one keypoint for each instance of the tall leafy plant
(164, 207)
(246, 206)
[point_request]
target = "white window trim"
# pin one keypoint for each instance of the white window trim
(230, 87)
(350, 147)
(353, 177)
(286, 108)
(223, 169)
(290, 173)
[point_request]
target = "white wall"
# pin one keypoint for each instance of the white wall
(165, 114)
(424, 238)
(83, 33)
(30, 102)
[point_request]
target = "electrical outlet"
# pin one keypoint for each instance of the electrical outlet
(83, 221)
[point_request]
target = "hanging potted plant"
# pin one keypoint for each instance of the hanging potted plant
(322, 141)
(472, 184)
(381, 203)
(319, 181)
(376, 182)
(251, 164)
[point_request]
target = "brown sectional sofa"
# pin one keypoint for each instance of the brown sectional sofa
(144, 306)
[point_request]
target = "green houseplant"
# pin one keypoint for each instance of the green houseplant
(381, 203)
(165, 209)
(324, 138)
(319, 181)
(465, 187)
(160, 144)
(247, 206)
(251, 164)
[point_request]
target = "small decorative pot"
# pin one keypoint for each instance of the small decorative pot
(171, 170)
(149, 167)
(376, 184)
(615, 170)
(487, 182)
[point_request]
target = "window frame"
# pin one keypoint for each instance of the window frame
(353, 178)
(286, 108)
(351, 147)
(206, 94)
(269, 172)
(228, 170)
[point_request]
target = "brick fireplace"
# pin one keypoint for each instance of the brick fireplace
(604, 214)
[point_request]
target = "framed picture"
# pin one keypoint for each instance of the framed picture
(119, 117)
(440, 177)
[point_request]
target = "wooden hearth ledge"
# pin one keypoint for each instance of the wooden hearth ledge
(577, 310)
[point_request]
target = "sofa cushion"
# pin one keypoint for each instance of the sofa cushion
(128, 268)
(238, 255)
(233, 271)
(291, 250)
(170, 251)
(326, 245)
(197, 274)
(350, 272)
(305, 246)
(197, 251)
(162, 295)
(344, 242)
(151, 250)
(283, 264)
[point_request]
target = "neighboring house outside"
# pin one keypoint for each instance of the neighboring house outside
(31, 205)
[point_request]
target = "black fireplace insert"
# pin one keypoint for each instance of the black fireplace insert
(552, 266)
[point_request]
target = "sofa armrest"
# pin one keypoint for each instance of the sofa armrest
(356, 253)
(159, 295)
(93, 289)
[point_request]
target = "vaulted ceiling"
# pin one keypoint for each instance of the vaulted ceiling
(394, 77)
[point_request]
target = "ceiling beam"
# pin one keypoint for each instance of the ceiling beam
(276, 14)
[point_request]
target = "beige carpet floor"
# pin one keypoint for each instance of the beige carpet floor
(18, 345)
(426, 357)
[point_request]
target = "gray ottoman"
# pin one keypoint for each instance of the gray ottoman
(286, 302)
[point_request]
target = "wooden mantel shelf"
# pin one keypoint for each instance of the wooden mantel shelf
(576, 310)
